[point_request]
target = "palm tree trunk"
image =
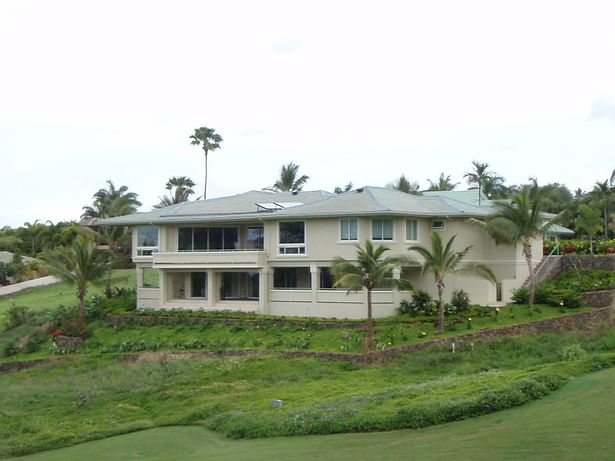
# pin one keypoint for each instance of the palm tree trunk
(606, 221)
(527, 252)
(205, 185)
(440, 307)
(369, 341)
(81, 295)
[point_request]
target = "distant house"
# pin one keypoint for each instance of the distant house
(271, 253)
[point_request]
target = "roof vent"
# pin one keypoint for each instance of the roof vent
(295, 192)
(360, 189)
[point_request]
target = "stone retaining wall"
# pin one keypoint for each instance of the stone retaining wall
(117, 319)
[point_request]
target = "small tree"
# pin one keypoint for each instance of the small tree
(520, 221)
(443, 260)
(589, 221)
(81, 264)
(371, 269)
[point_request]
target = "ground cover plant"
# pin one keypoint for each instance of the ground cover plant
(94, 397)
(573, 423)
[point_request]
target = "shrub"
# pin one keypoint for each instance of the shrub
(461, 300)
(521, 295)
(17, 315)
(10, 348)
(421, 305)
(572, 352)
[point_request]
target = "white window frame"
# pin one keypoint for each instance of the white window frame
(341, 226)
(301, 247)
(392, 239)
(147, 251)
(416, 224)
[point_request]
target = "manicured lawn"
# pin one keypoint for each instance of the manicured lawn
(572, 424)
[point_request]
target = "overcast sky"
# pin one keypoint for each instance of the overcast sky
(351, 91)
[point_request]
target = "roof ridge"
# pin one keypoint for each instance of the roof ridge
(371, 193)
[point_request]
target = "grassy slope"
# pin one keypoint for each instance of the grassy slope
(50, 296)
(572, 424)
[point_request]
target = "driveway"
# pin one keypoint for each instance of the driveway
(17, 287)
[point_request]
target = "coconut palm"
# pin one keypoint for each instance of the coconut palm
(80, 265)
(485, 180)
(403, 184)
(209, 140)
(442, 183)
(590, 222)
(288, 181)
(180, 190)
(520, 220)
(442, 260)
(370, 270)
(112, 200)
(603, 193)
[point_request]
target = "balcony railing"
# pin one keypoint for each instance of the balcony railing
(243, 258)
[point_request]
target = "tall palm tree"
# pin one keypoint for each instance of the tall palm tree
(442, 183)
(485, 180)
(180, 190)
(371, 269)
(288, 181)
(403, 184)
(590, 222)
(209, 140)
(443, 260)
(82, 264)
(520, 220)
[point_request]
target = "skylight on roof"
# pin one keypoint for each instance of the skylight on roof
(273, 206)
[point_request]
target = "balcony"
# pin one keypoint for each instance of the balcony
(213, 259)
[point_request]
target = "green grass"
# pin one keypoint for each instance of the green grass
(572, 424)
(91, 398)
(50, 296)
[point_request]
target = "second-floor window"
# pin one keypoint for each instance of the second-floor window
(382, 229)
(349, 229)
(412, 229)
(147, 240)
(292, 238)
(207, 238)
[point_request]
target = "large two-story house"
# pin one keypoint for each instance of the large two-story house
(271, 253)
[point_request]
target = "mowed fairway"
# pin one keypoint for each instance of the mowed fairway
(576, 423)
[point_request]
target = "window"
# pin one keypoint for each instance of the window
(437, 225)
(382, 229)
(292, 238)
(147, 240)
(207, 238)
(298, 278)
(412, 229)
(198, 284)
(326, 278)
(239, 285)
(349, 229)
(255, 238)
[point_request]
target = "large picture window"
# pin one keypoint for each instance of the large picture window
(382, 229)
(292, 278)
(292, 237)
(255, 238)
(349, 229)
(207, 238)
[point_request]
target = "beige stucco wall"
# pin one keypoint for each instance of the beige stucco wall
(323, 244)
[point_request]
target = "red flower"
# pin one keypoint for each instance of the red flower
(55, 333)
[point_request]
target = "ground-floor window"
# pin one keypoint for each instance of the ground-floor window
(290, 278)
(326, 278)
(239, 285)
(198, 284)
